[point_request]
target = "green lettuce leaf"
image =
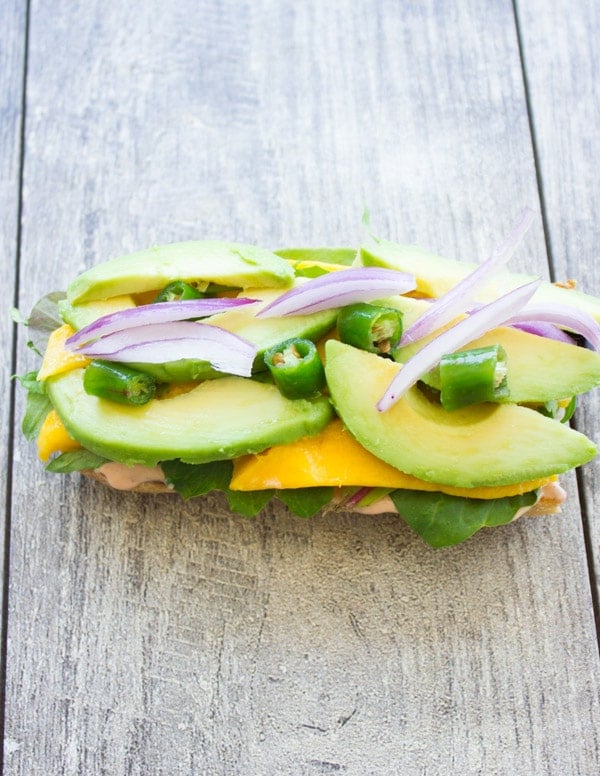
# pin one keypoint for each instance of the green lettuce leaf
(305, 502)
(43, 319)
(37, 405)
(192, 480)
(248, 502)
(75, 461)
(443, 520)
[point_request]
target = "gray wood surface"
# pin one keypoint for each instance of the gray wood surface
(12, 54)
(151, 636)
(562, 61)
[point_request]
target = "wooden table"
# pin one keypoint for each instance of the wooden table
(145, 635)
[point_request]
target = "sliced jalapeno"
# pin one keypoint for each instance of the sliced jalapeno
(296, 368)
(369, 327)
(473, 376)
(118, 383)
(178, 290)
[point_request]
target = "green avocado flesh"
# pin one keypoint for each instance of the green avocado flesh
(219, 419)
(538, 369)
(262, 332)
(481, 445)
(80, 315)
(227, 264)
(323, 255)
(436, 275)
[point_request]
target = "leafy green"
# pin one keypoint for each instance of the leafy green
(553, 409)
(191, 479)
(443, 520)
(37, 405)
(305, 502)
(44, 318)
(569, 410)
(75, 461)
(248, 503)
(17, 317)
(374, 494)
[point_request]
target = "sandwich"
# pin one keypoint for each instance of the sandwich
(377, 379)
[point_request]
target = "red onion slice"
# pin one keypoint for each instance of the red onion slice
(457, 300)
(485, 318)
(147, 314)
(161, 343)
(565, 316)
(541, 329)
(353, 500)
(339, 288)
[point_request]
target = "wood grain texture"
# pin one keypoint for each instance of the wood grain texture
(563, 68)
(147, 635)
(12, 56)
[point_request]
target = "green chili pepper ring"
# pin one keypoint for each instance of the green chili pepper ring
(296, 368)
(369, 327)
(473, 376)
(178, 290)
(118, 383)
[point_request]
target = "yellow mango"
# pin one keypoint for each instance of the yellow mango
(335, 458)
(53, 437)
(57, 359)
(309, 264)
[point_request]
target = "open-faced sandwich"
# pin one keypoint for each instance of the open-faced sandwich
(380, 379)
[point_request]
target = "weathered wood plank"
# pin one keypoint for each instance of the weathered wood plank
(12, 55)
(150, 636)
(563, 67)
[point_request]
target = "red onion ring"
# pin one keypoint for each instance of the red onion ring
(548, 330)
(161, 343)
(463, 332)
(562, 315)
(457, 300)
(147, 314)
(339, 288)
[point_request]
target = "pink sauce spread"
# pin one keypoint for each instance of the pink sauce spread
(122, 477)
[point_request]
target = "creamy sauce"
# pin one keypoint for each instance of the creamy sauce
(552, 491)
(122, 477)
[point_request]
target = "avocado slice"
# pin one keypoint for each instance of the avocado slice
(226, 264)
(541, 369)
(538, 369)
(219, 419)
(262, 332)
(80, 315)
(436, 275)
(484, 444)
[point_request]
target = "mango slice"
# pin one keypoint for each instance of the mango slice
(335, 458)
